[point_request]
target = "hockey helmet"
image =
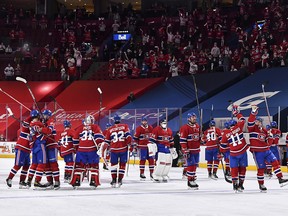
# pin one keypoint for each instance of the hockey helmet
(34, 113)
(268, 127)
(259, 119)
(117, 118)
(189, 115)
(67, 123)
(144, 118)
(108, 125)
(274, 124)
(226, 124)
(232, 122)
(47, 112)
(212, 123)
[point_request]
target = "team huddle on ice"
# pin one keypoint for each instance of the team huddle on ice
(82, 149)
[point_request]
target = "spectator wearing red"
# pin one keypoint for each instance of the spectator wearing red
(43, 22)
(58, 24)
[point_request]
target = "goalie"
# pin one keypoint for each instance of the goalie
(161, 145)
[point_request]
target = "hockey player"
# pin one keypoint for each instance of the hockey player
(238, 149)
(225, 149)
(211, 141)
(67, 149)
(162, 137)
(259, 146)
(141, 137)
(274, 145)
(89, 136)
(52, 168)
(22, 152)
(39, 132)
(190, 147)
(118, 138)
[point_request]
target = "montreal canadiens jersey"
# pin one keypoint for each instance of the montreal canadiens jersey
(211, 138)
(118, 138)
(259, 139)
(276, 136)
(89, 136)
(50, 140)
(235, 137)
(190, 137)
(162, 136)
(224, 145)
(142, 135)
(23, 143)
(67, 142)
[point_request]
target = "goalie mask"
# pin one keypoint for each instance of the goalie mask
(163, 123)
(89, 120)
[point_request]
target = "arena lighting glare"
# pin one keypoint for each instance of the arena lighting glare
(99, 90)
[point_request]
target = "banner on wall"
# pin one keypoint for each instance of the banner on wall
(7, 149)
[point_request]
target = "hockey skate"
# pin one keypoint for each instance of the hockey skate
(105, 167)
(235, 187)
(39, 186)
(192, 185)
(57, 185)
(9, 182)
(113, 183)
(269, 175)
(214, 176)
(142, 177)
(93, 184)
(283, 182)
(241, 187)
(156, 179)
(151, 177)
(119, 182)
(49, 185)
(262, 188)
(67, 178)
(165, 179)
(77, 184)
(23, 185)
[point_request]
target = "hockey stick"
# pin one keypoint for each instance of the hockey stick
(222, 164)
(197, 101)
(15, 99)
(100, 104)
(231, 107)
(129, 155)
(31, 93)
(211, 113)
(266, 103)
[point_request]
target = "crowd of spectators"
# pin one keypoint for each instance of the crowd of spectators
(41, 45)
(248, 37)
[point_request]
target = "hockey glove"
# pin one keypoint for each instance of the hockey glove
(254, 110)
(235, 110)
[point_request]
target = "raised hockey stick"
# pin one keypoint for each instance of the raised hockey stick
(100, 104)
(266, 103)
(31, 93)
(10, 96)
(211, 113)
(198, 105)
(231, 107)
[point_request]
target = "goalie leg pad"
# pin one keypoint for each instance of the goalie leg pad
(160, 165)
(167, 165)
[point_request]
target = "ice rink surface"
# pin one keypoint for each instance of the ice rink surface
(135, 197)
